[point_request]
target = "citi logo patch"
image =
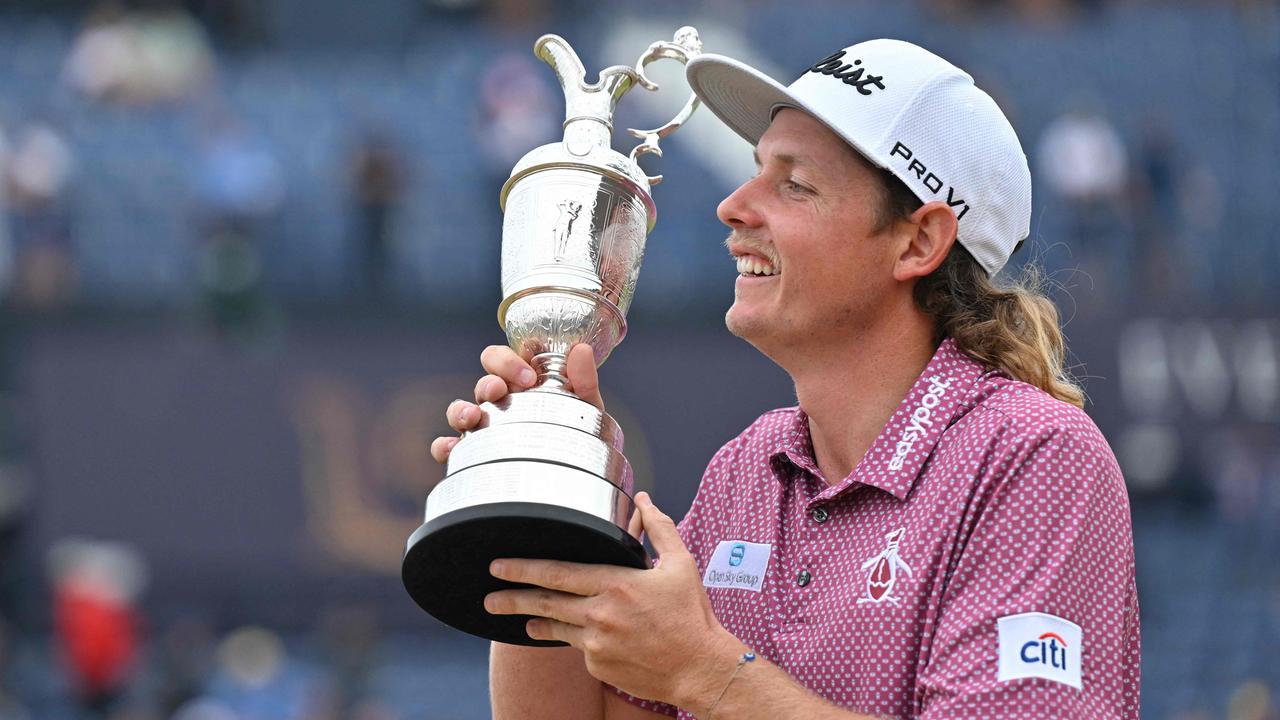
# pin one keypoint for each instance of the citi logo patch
(1039, 645)
(738, 564)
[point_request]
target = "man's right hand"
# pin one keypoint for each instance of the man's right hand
(508, 373)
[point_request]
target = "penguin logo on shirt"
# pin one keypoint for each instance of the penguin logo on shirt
(884, 571)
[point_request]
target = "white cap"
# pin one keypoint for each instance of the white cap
(907, 111)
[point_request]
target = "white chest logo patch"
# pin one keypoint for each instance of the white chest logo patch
(738, 564)
(1040, 645)
(884, 571)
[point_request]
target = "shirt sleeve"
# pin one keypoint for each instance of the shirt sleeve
(1048, 533)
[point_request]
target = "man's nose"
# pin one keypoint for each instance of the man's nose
(738, 210)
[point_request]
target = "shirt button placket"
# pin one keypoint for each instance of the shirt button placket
(819, 514)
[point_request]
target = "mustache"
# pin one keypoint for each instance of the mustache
(752, 244)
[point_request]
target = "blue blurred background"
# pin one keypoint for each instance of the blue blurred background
(249, 251)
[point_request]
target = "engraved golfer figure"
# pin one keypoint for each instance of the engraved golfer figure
(884, 571)
(569, 210)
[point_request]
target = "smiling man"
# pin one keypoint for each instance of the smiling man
(937, 530)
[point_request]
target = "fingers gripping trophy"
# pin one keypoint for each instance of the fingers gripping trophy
(543, 476)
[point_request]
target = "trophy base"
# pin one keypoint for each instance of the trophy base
(446, 568)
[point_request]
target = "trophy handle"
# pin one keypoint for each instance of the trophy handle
(685, 46)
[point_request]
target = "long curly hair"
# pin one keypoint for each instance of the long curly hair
(1008, 324)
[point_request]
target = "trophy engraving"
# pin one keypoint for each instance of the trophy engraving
(544, 475)
(564, 225)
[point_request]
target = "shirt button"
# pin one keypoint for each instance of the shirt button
(804, 578)
(819, 514)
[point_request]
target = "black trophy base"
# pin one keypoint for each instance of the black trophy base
(446, 568)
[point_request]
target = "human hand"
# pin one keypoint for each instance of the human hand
(651, 633)
(508, 373)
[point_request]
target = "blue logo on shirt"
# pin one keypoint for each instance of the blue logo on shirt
(736, 553)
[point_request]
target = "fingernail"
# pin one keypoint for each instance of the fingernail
(452, 442)
(467, 414)
(527, 377)
(642, 498)
(496, 567)
(488, 602)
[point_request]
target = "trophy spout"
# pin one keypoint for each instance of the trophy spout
(554, 51)
(588, 107)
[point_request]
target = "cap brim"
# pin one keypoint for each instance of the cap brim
(746, 99)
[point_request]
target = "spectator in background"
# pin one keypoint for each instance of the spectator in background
(256, 678)
(239, 186)
(101, 57)
(378, 182)
(15, 492)
(1042, 13)
(10, 707)
(96, 586)
(517, 112)
(184, 660)
(1220, 273)
(1177, 208)
(236, 23)
(155, 54)
(348, 638)
(1084, 163)
(38, 179)
(15, 512)
(1155, 204)
(6, 243)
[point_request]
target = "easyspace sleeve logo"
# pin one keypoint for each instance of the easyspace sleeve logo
(1040, 645)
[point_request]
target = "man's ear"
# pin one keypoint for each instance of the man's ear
(930, 233)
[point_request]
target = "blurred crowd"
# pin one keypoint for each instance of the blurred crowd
(104, 661)
(189, 99)
(231, 160)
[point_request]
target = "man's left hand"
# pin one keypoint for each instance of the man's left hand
(651, 633)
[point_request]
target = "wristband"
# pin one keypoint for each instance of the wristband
(747, 657)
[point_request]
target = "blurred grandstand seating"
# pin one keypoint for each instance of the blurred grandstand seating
(1195, 67)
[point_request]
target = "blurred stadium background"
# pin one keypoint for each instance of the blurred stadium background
(248, 252)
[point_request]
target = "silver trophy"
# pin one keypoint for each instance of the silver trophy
(544, 475)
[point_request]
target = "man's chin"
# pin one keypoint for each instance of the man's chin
(743, 325)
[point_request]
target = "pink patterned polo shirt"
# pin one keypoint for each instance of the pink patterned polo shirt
(978, 563)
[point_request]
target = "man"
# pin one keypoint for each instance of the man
(937, 530)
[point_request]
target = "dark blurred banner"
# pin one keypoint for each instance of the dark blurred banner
(259, 481)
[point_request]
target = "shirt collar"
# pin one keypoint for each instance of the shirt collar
(895, 459)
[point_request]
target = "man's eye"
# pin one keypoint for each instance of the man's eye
(794, 186)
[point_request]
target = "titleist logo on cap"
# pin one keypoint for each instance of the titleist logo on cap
(834, 66)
